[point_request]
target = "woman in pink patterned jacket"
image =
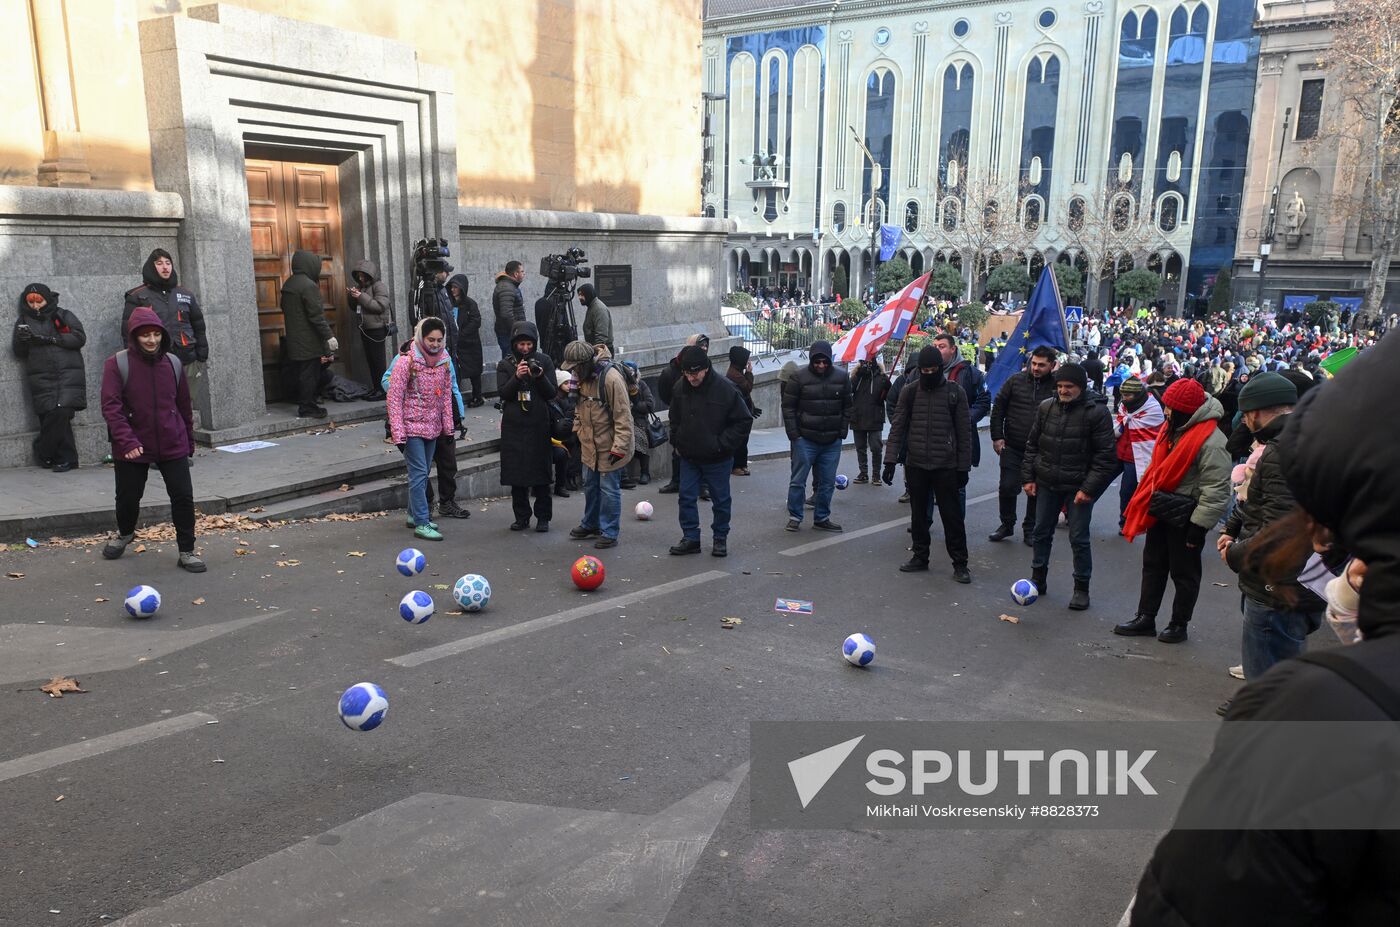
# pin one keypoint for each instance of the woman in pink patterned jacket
(420, 412)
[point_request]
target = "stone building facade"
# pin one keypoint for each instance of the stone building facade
(1139, 110)
(231, 137)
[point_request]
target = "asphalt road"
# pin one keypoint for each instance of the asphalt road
(586, 768)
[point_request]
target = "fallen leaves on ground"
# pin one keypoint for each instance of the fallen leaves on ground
(139, 549)
(99, 599)
(443, 586)
(243, 551)
(198, 601)
(210, 524)
(729, 621)
(344, 487)
(356, 553)
(58, 685)
(288, 563)
(243, 543)
(1011, 618)
(14, 574)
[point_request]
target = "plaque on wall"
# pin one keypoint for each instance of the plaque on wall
(613, 283)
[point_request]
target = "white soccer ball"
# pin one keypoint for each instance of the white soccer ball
(142, 602)
(644, 510)
(472, 592)
(416, 607)
(411, 561)
(858, 650)
(363, 706)
(1024, 592)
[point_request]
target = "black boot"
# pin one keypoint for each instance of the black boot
(1040, 580)
(1140, 626)
(671, 487)
(1174, 634)
(918, 563)
(1079, 601)
(1002, 533)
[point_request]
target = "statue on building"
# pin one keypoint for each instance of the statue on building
(1294, 215)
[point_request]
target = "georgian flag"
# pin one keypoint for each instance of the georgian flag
(891, 321)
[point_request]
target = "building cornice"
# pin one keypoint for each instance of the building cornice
(829, 11)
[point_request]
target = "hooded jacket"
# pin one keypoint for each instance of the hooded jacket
(739, 375)
(932, 429)
(53, 354)
(151, 410)
(816, 406)
(469, 360)
(1071, 446)
(303, 313)
(420, 394)
(525, 415)
(507, 304)
(376, 309)
(177, 307)
(869, 389)
(709, 422)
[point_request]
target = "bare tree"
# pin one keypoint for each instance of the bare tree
(987, 226)
(1105, 229)
(1366, 51)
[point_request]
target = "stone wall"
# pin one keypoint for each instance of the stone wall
(89, 246)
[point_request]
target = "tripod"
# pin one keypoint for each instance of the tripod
(558, 327)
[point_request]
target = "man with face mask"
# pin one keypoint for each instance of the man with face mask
(816, 416)
(933, 428)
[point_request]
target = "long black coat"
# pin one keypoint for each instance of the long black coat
(526, 459)
(469, 362)
(1071, 446)
(53, 357)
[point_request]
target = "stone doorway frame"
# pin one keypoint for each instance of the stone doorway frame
(225, 77)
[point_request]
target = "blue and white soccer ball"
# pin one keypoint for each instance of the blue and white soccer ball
(142, 602)
(843, 481)
(472, 592)
(363, 706)
(411, 561)
(416, 607)
(858, 650)
(1024, 592)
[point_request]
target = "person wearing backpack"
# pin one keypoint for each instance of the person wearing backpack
(146, 403)
(603, 423)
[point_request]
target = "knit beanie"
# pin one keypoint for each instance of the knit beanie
(1184, 396)
(1072, 373)
(694, 357)
(929, 356)
(576, 353)
(1266, 390)
(1131, 387)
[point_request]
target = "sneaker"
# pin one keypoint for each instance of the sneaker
(117, 546)
(644, 479)
(686, 546)
(670, 488)
(579, 533)
(542, 527)
(410, 523)
(1224, 707)
(861, 478)
(450, 509)
(605, 543)
(904, 498)
(827, 525)
(189, 560)
(719, 548)
(792, 524)
(1237, 671)
(428, 532)
(811, 502)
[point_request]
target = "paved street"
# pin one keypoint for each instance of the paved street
(560, 758)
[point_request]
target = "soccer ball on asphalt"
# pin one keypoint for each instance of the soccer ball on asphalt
(644, 511)
(363, 706)
(843, 481)
(411, 561)
(142, 602)
(588, 573)
(472, 592)
(416, 607)
(1024, 592)
(858, 650)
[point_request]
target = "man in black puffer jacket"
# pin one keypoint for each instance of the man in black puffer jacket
(869, 387)
(816, 415)
(934, 430)
(1013, 412)
(1071, 458)
(50, 340)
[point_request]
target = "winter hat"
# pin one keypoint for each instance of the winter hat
(694, 357)
(739, 356)
(576, 353)
(820, 349)
(929, 356)
(1300, 380)
(1072, 373)
(562, 377)
(49, 295)
(1184, 396)
(1131, 387)
(1266, 390)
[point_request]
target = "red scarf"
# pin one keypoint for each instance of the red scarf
(1168, 467)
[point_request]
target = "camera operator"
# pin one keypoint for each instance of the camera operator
(526, 381)
(597, 319)
(508, 305)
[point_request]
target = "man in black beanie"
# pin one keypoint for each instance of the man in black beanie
(1070, 460)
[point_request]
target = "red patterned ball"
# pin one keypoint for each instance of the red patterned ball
(588, 573)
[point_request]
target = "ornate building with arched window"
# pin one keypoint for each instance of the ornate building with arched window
(1100, 133)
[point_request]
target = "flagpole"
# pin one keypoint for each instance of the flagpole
(923, 303)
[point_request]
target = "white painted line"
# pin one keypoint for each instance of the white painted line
(453, 648)
(85, 749)
(1128, 914)
(863, 532)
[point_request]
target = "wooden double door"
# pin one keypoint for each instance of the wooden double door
(295, 206)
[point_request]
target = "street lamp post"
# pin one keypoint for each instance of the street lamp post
(1266, 241)
(875, 177)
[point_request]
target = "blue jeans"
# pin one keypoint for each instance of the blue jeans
(1272, 635)
(602, 501)
(715, 476)
(504, 342)
(1048, 503)
(808, 456)
(419, 454)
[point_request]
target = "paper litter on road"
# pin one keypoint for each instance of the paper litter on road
(1011, 618)
(246, 446)
(793, 606)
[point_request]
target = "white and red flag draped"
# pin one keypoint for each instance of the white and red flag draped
(891, 321)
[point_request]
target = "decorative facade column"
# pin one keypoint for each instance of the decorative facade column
(65, 163)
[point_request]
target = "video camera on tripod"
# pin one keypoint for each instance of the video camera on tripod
(562, 271)
(429, 259)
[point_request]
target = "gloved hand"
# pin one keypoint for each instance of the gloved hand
(332, 345)
(962, 478)
(1195, 536)
(887, 474)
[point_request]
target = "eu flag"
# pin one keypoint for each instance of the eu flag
(889, 240)
(1043, 322)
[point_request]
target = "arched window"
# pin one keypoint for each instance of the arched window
(951, 208)
(838, 218)
(911, 216)
(1032, 213)
(989, 214)
(1168, 212)
(710, 211)
(1076, 214)
(1121, 212)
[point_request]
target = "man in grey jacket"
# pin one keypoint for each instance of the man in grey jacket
(508, 304)
(597, 319)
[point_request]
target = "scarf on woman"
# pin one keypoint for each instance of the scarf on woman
(1169, 465)
(430, 357)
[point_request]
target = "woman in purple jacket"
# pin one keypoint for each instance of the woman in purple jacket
(146, 402)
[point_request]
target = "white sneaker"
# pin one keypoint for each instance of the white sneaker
(1237, 671)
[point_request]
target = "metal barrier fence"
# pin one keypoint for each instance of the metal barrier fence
(767, 333)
